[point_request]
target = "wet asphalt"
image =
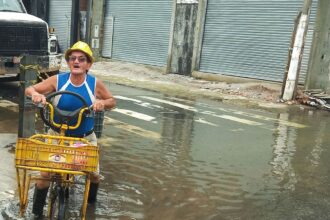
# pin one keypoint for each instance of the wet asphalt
(179, 157)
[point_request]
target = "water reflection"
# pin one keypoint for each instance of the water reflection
(316, 153)
(283, 151)
(173, 190)
(180, 167)
(300, 165)
(232, 171)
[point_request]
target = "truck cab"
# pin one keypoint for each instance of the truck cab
(22, 34)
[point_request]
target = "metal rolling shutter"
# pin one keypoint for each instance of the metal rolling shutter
(60, 19)
(308, 43)
(248, 38)
(141, 30)
(108, 36)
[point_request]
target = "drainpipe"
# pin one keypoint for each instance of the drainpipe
(298, 48)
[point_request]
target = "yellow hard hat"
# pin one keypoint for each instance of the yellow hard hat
(80, 46)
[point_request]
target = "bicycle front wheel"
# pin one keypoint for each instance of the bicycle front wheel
(57, 203)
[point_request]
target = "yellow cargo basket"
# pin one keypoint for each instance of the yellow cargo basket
(56, 152)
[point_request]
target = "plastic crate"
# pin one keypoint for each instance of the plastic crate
(44, 151)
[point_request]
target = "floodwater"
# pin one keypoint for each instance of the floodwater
(166, 157)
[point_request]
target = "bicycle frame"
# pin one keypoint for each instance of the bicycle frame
(24, 165)
(57, 155)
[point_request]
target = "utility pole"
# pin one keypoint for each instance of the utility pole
(28, 76)
(297, 52)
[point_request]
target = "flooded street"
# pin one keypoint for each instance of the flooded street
(166, 157)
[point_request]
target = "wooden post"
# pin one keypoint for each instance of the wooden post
(28, 76)
(298, 48)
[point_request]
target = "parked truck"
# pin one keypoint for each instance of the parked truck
(22, 34)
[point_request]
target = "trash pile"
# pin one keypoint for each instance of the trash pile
(315, 98)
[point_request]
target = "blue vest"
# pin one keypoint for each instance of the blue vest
(70, 103)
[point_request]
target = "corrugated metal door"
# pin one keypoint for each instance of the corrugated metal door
(108, 36)
(60, 19)
(248, 38)
(141, 30)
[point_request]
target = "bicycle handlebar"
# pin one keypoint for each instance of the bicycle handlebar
(64, 116)
(79, 113)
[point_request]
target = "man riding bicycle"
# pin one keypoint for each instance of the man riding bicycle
(79, 80)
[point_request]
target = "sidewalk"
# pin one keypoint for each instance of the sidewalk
(255, 93)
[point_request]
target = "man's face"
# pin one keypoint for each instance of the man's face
(78, 63)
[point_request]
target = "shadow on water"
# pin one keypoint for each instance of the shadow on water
(209, 161)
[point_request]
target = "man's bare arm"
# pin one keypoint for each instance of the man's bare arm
(37, 92)
(104, 98)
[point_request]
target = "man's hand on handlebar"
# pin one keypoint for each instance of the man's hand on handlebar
(98, 106)
(38, 98)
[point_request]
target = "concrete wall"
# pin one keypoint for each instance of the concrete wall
(183, 37)
(96, 26)
(319, 62)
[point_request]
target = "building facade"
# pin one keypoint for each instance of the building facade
(244, 38)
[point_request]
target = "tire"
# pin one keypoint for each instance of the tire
(57, 203)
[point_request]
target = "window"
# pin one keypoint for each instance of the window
(11, 6)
